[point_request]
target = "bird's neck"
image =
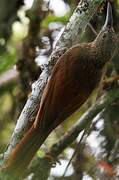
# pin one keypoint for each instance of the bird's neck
(101, 56)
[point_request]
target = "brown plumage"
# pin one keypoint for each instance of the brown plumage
(74, 77)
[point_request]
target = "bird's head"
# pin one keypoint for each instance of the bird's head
(106, 39)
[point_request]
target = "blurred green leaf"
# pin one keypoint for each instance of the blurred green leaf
(51, 18)
(40, 153)
(7, 60)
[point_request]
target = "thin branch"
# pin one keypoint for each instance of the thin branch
(92, 28)
(75, 152)
(80, 18)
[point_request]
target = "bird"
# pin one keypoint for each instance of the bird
(73, 79)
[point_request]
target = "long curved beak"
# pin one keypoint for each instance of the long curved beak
(109, 17)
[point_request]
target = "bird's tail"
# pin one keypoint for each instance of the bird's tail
(21, 156)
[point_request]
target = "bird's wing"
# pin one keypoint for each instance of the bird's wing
(64, 93)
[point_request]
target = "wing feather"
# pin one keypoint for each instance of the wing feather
(66, 90)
